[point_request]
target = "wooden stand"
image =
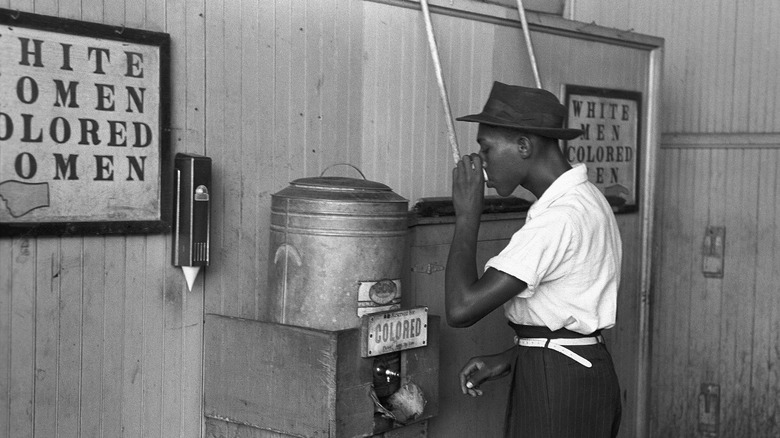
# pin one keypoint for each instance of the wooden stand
(303, 382)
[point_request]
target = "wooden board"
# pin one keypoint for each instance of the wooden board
(224, 429)
(301, 381)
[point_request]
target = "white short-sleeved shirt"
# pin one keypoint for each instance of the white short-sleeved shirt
(568, 253)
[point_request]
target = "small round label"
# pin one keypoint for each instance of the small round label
(383, 292)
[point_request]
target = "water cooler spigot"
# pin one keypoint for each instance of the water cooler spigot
(382, 371)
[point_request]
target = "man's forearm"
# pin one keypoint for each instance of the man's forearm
(461, 270)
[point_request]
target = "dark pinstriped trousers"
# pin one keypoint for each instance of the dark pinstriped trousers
(553, 396)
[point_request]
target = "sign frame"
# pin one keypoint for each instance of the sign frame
(622, 198)
(156, 215)
(391, 325)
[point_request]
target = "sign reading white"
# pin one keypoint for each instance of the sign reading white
(609, 145)
(79, 128)
(394, 331)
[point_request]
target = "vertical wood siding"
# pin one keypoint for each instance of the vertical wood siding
(720, 59)
(98, 335)
(405, 139)
(284, 102)
(719, 88)
(709, 330)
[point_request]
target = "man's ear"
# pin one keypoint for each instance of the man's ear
(524, 146)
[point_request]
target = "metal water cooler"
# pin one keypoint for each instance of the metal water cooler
(339, 356)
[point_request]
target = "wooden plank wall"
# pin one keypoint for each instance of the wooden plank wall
(405, 137)
(284, 102)
(717, 167)
(97, 334)
(712, 330)
(284, 95)
(720, 63)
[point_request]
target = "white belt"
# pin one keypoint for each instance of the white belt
(558, 344)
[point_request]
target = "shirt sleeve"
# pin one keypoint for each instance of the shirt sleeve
(537, 251)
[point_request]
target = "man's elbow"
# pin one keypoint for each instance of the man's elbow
(458, 319)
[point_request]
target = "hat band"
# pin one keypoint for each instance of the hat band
(507, 113)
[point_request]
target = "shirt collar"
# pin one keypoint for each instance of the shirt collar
(578, 174)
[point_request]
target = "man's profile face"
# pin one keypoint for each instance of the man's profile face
(500, 158)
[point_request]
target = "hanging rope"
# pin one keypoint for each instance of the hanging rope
(440, 80)
(528, 44)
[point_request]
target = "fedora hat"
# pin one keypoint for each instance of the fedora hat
(531, 110)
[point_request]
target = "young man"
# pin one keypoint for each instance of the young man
(557, 279)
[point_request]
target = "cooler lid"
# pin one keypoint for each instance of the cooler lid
(341, 188)
(340, 183)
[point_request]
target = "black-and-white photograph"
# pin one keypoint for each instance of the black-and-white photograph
(389, 219)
